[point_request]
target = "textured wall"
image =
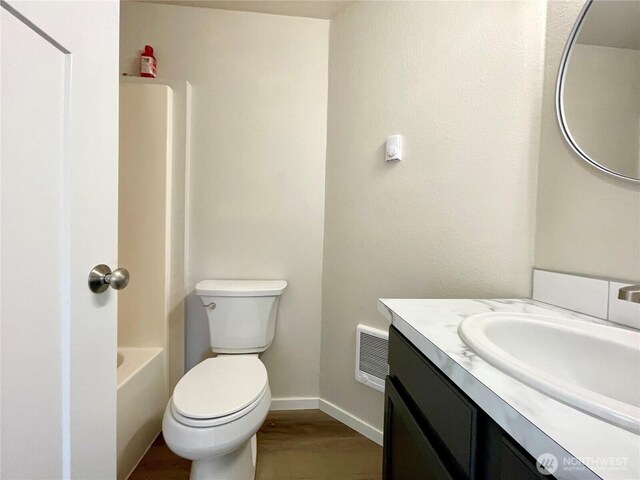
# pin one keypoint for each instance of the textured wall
(256, 206)
(462, 82)
(587, 222)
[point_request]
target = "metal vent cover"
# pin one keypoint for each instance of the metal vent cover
(372, 346)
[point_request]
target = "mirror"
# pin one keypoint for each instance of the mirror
(598, 90)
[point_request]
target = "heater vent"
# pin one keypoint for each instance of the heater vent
(372, 347)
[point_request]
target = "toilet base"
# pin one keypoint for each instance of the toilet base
(240, 464)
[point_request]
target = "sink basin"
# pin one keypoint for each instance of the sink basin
(595, 368)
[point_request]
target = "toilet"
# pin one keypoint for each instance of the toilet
(219, 405)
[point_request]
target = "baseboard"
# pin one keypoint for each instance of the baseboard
(311, 403)
(352, 421)
(294, 403)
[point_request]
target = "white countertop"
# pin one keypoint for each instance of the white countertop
(539, 423)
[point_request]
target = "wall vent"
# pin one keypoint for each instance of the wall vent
(372, 347)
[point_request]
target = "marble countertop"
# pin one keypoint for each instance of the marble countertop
(539, 423)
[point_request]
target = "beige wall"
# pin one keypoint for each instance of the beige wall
(462, 82)
(256, 179)
(587, 222)
(457, 218)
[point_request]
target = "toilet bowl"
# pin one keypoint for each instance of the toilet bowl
(219, 405)
(213, 416)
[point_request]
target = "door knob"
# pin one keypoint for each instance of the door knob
(101, 276)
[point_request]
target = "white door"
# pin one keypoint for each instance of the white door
(58, 218)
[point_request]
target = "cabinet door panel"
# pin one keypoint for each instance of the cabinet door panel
(408, 453)
(505, 459)
(449, 414)
(513, 465)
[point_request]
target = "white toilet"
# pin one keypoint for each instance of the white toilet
(219, 405)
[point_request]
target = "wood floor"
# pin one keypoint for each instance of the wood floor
(292, 445)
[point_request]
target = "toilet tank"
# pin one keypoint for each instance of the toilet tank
(241, 313)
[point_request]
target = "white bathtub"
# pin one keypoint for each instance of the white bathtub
(142, 397)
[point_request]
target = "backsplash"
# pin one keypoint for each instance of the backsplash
(592, 296)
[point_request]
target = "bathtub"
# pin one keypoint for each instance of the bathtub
(142, 396)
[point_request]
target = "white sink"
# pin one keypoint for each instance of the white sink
(595, 368)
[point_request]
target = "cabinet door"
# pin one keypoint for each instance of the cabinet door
(506, 460)
(408, 453)
(444, 412)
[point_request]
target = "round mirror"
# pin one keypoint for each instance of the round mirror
(598, 91)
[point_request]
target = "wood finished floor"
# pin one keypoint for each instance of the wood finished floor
(292, 445)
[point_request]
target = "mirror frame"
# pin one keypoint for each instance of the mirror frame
(560, 107)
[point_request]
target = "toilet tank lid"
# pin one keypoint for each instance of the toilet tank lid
(240, 288)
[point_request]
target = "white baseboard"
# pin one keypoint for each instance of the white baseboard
(311, 403)
(352, 421)
(294, 403)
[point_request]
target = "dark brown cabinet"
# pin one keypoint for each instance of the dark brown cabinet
(410, 453)
(433, 431)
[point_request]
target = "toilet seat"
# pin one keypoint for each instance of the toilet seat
(219, 390)
(213, 422)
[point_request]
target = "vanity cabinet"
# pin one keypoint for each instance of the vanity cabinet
(411, 451)
(433, 431)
